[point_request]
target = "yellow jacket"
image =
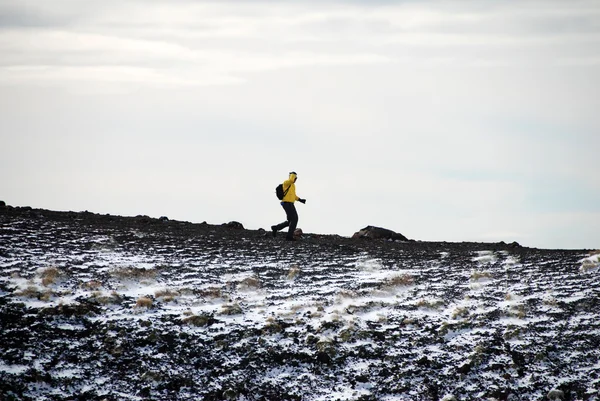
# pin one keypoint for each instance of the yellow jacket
(290, 196)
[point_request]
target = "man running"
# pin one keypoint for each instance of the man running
(289, 197)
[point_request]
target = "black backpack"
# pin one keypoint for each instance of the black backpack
(279, 191)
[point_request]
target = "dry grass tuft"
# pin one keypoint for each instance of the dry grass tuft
(518, 311)
(34, 292)
(590, 263)
(587, 266)
(272, 326)
(401, 280)
(429, 303)
(131, 273)
(422, 303)
(297, 307)
(49, 276)
(46, 281)
(188, 291)
(29, 292)
(250, 282)
(480, 349)
(475, 276)
(293, 273)
(92, 285)
(382, 318)
(327, 346)
(210, 292)
(45, 295)
(345, 294)
(347, 334)
(167, 295)
(231, 309)
(199, 320)
(511, 332)
(144, 302)
(100, 297)
(460, 312)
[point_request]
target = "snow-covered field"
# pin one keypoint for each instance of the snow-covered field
(127, 310)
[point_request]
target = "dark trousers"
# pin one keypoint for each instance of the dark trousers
(292, 219)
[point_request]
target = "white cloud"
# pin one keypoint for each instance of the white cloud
(221, 43)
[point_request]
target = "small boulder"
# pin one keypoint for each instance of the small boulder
(142, 219)
(298, 233)
(235, 225)
(556, 395)
(2, 205)
(372, 232)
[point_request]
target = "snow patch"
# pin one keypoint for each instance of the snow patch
(13, 369)
(485, 258)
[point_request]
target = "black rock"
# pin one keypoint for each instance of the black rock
(372, 232)
(235, 225)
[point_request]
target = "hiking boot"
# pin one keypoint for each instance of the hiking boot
(274, 229)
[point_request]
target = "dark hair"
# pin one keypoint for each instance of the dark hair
(293, 172)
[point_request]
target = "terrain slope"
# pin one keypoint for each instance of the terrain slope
(98, 307)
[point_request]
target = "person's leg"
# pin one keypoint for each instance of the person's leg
(286, 223)
(292, 216)
(280, 226)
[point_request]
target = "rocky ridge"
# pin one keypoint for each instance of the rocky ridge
(98, 307)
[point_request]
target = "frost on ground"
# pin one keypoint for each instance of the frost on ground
(102, 307)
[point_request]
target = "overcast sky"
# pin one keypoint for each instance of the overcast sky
(441, 120)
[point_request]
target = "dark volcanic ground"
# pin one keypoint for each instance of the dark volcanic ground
(97, 307)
